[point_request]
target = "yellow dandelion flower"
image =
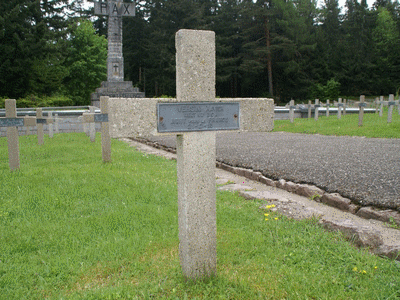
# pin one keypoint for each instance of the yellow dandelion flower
(276, 218)
(375, 267)
(363, 272)
(266, 219)
(266, 215)
(355, 269)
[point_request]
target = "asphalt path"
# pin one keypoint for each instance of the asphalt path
(365, 170)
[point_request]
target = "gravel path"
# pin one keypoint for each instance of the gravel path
(366, 170)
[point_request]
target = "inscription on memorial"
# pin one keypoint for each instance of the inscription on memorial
(197, 116)
(114, 8)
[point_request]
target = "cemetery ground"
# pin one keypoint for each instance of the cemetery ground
(373, 125)
(73, 227)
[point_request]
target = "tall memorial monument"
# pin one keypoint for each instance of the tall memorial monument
(115, 86)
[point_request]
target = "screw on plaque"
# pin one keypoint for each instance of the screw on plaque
(235, 116)
(161, 119)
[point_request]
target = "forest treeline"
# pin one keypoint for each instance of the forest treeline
(278, 48)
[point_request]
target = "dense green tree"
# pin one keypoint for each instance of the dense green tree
(386, 41)
(86, 62)
(357, 72)
(281, 48)
(30, 59)
(228, 48)
(278, 42)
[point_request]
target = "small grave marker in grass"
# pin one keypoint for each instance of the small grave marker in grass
(309, 109)
(291, 111)
(339, 110)
(40, 121)
(12, 123)
(391, 103)
(381, 106)
(361, 106)
(105, 129)
(327, 108)
(317, 105)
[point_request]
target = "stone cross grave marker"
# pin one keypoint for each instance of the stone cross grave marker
(309, 106)
(291, 111)
(339, 105)
(12, 123)
(40, 121)
(391, 103)
(361, 106)
(194, 118)
(317, 105)
(91, 118)
(327, 108)
(89, 128)
(381, 98)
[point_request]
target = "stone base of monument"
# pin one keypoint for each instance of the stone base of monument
(115, 89)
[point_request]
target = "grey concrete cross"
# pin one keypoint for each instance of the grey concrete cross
(91, 118)
(327, 108)
(291, 111)
(115, 10)
(391, 103)
(381, 106)
(361, 106)
(12, 123)
(317, 106)
(196, 148)
(339, 106)
(193, 117)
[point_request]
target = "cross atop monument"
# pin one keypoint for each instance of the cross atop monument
(115, 86)
(115, 10)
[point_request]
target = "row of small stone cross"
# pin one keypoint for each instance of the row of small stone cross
(379, 102)
(12, 122)
(342, 105)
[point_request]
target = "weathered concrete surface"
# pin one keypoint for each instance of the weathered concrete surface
(373, 234)
(137, 117)
(197, 215)
(364, 170)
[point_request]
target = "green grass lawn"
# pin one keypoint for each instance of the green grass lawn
(373, 125)
(72, 227)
